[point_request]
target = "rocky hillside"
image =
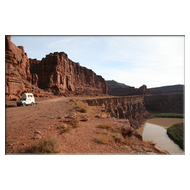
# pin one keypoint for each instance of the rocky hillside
(169, 89)
(53, 75)
(115, 84)
(129, 91)
(131, 108)
(120, 89)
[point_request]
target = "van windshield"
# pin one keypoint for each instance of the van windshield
(23, 99)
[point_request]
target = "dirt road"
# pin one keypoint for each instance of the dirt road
(25, 124)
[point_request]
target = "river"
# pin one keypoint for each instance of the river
(155, 129)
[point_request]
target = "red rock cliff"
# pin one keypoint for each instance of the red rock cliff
(62, 76)
(165, 103)
(55, 74)
(129, 107)
(18, 78)
(17, 68)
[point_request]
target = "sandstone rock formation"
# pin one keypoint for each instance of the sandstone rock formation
(168, 89)
(115, 84)
(132, 108)
(60, 75)
(18, 78)
(165, 103)
(53, 75)
(129, 91)
(17, 68)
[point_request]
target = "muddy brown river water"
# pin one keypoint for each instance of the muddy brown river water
(155, 130)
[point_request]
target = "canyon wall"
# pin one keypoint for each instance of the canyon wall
(165, 103)
(18, 78)
(62, 76)
(53, 75)
(132, 108)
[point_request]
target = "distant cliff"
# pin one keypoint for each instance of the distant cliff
(169, 89)
(120, 89)
(115, 84)
(165, 103)
(129, 91)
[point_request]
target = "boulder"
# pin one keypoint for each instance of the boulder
(160, 150)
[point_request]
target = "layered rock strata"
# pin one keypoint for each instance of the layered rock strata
(129, 91)
(18, 78)
(132, 108)
(53, 75)
(165, 103)
(62, 76)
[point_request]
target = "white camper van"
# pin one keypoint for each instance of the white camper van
(27, 98)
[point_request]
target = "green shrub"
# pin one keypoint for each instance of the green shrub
(175, 132)
(167, 115)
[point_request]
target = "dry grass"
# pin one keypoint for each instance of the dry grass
(79, 105)
(104, 139)
(84, 119)
(107, 126)
(73, 122)
(102, 131)
(81, 109)
(129, 141)
(65, 128)
(45, 146)
(110, 127)
(109, 135)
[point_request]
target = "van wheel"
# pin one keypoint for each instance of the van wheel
(32, 104)
(24, 104)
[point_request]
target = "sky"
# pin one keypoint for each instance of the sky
(133, 60)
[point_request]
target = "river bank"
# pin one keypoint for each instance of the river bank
(155, 130)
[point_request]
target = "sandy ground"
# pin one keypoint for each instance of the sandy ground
(24, 124)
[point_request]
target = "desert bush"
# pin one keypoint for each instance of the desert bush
(84, 119)
(102, 131)
(107, 126)
(128, 141)
(45, 146)
(74, 123)
(118, 138)
(81, 109)
(109, 135)
(104, 139)
(65, 128)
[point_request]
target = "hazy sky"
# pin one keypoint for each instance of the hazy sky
(134, 60)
